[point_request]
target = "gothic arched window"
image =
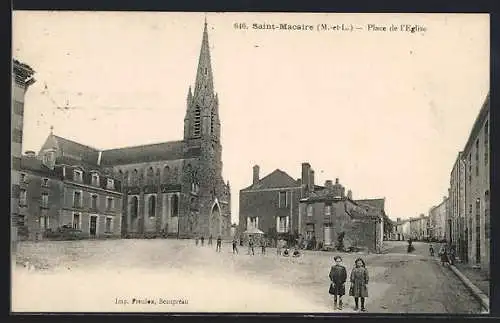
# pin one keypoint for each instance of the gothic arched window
(152, 206)
(212, 121)
(135, 177)
(134, 211)
(150, 176)
(197, 122)
(175, 206)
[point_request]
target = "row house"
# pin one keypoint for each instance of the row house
(419, 227)
(437, 221)
(456, 212)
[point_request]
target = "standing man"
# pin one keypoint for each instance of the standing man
(250, 245)
(219, 243)
(235, 246)
(210, 240)
(263, 245)
(202, 240)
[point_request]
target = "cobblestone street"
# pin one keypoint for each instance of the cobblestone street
(93, 275)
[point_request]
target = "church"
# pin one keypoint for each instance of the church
(170, 189)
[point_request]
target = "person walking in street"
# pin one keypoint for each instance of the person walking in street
(250, 246)
(359, 280)
(443, 254)
(196, 240)
(431, 250)
(219, 244)
(210, 240)
(202, 240)
(338, 276)
(263, 246)
(235, 246)
(278, 247)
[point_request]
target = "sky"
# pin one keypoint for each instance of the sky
(386, 112)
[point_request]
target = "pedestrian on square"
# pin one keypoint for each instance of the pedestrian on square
(210, 240)
(278, 247)
(431, 250)
(359, 280)
(338, 276)
(235, 246)
(196, 240)
(263, 246)
(219, 244)
(250, 245)
(202, 240)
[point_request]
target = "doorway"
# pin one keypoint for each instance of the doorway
(93, 226)
(215, 221)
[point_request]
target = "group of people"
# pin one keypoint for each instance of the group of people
(358, 279)
(202, 239)
(446, 253)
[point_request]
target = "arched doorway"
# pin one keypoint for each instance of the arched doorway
(215, 221)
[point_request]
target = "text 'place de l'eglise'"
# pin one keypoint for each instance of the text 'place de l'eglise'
(176, 189)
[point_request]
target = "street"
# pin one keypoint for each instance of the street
(96, 275)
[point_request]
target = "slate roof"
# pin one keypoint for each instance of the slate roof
(276, 179)
(88, 155)
(375, 203)
(35, 165)
(170, 150)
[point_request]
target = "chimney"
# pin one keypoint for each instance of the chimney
(328, 184)
(30, 154)
(349, 194)
(306, 169)
(398, 219)
(256, 170)
(337, 181)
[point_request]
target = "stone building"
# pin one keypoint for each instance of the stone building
(476, 156)
(328, 214)
(176, 188)
(457, 207)
(401, 229)
(271, 203)
(438, 220)
(22, 78)
(419, 227)
(64, 185)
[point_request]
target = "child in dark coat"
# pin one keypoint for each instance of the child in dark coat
(359, 279)
(338, 276)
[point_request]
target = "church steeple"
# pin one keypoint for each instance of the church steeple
(204, 85)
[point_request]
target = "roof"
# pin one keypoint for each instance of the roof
(276, 179)
(35, 165)
(376, 203)
(71, 149)
(146, 153)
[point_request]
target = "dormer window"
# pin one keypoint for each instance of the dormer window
(45, 182)
(78, 175)
(110, 184)
(95, 179)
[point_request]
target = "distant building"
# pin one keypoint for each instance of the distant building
(328, 213)
(22, 78)
(437, 220)
(401, 230)
(419, 227)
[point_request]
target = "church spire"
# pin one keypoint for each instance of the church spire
(204, 79)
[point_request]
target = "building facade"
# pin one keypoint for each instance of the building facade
(438, 221)
(476, 156)
(457, 207)
(271, 203)
(329, 215)
(22, 78)
(419, 227)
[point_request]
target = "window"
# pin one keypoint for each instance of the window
(197, 122)
(135, 177)
(175, 206)
(309, 210)
(77, 199)
(212, 122)
(152, 206)
(45, 199)
(108, 224)
(22, 197)
(487, 215)
(150, 176)
(78, 176)
(282, 202)
(44, 222)
(45, 182)
(470, 167)
(76, 221)
(477, 157)
(95, 179)
(478, 231)
(166, 174)
(110, 184)
(134, 207)
(328, 209)
(22, 178)
(205, 70)
(93, 202)
(282, 224)
(109, 203)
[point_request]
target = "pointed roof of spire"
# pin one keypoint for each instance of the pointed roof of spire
(204, 78)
